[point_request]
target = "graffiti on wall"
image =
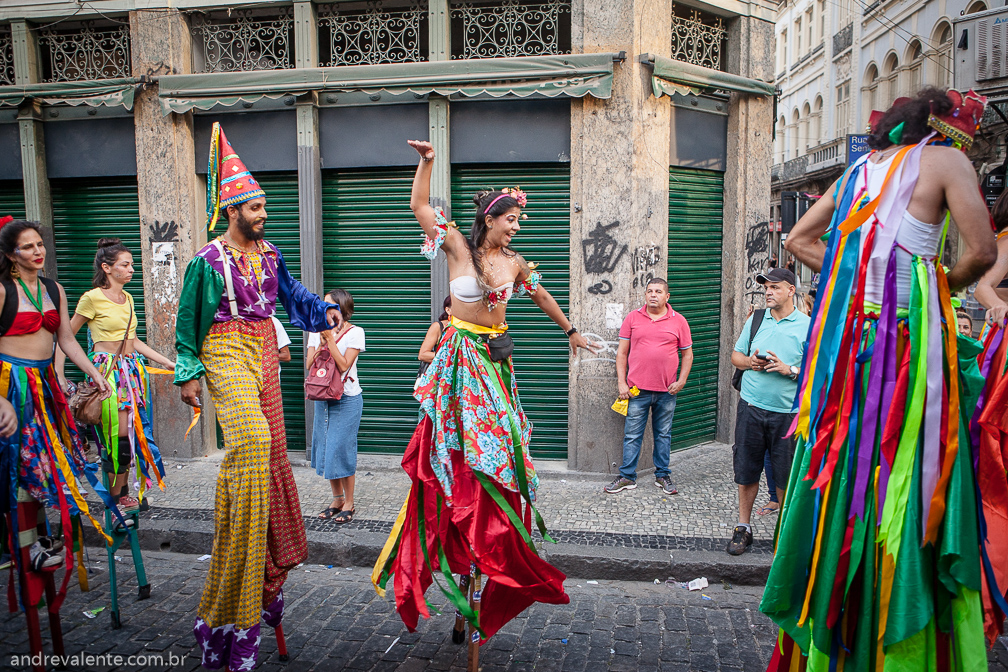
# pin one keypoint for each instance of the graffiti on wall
(644, 260)
(602, 253)
(165, 278)
(757, 248)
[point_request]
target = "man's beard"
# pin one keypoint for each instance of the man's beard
(248, 229)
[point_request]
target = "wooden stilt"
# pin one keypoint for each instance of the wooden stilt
(474, 602)
(459, 633)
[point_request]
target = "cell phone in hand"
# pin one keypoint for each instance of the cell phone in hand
(762, 357)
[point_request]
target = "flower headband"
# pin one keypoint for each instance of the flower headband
(6, 220)
(514, 193)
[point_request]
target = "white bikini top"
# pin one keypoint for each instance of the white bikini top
(466, 288)
(913, 237)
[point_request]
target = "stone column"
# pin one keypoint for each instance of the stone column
(38, 201)
(619, 202)
(172, 226)
(309, 171)
(746, 197)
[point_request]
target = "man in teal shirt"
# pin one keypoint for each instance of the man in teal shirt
(770, 359)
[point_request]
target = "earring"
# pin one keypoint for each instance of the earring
(15, 272)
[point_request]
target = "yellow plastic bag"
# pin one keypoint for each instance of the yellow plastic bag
(621, 405)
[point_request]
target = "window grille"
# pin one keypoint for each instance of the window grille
(243, 40)
(697, 37)
(84, 53)
(6, 58)
(371, 33)
(510, 28)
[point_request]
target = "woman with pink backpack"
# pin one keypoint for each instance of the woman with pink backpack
(338, 407)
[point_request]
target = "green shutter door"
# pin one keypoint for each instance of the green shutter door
(541, 357)
(12, 199)
(283, 229)
(694, 261)
(85, 210)
(371, 248)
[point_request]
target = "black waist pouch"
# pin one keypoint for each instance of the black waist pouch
(500, 346)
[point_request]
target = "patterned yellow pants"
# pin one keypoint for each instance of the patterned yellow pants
(233, 355)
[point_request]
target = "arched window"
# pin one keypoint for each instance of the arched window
(870, 93)
(915, 67)
(941, 42)
(792, 149)
(979, 6)
(804, 134)
(890, 74)
(817, 122)
(779, 141)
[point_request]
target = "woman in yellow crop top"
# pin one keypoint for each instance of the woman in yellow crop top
(125, 432)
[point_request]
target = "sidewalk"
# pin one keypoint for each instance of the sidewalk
(634, 535)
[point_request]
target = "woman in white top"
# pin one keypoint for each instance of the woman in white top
(334, 432)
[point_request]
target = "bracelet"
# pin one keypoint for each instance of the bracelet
(570, 332)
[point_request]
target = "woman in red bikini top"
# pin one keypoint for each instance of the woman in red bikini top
(45, 449)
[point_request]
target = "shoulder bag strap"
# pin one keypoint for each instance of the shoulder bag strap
(757, 320)
(228, 281)
(129, 323)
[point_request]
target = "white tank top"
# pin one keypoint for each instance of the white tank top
(912, 237)
(466, 289)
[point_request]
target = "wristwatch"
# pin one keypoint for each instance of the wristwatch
(570, 332)
(794, 372)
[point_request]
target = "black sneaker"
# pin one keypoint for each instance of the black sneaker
(740, 541)
(620, 484)
(665, 483)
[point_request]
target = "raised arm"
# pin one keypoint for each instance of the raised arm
(451, 240)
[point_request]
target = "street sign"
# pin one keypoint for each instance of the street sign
(857, 146)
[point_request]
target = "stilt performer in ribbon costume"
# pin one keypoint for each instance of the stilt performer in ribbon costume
(470, 507)
(42, 462)
(881, 562)
(224, 333)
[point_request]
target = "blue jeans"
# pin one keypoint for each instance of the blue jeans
(662, 408)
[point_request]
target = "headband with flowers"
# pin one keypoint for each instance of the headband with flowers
(515, 193)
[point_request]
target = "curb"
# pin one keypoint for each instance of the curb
(360, 548)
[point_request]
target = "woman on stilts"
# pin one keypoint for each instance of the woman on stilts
(42, 462)
(881, 560)
(473, 482)
(125, 435)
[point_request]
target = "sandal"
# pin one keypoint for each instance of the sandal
(326, 514)
(768, 509)
(122, 526)
(345, 516)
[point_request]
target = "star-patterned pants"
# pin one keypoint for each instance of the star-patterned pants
(259, 534)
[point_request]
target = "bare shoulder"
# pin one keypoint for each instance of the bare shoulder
(940, 156)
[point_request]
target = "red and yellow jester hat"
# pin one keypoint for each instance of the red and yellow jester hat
(961, 123)
(228, 180)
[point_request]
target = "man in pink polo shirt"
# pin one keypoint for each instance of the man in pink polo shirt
(648, 358)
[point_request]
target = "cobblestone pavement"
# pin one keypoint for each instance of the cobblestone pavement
(702, 515)
(336, 621)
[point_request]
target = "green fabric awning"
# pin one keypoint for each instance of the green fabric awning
(109, 92)
(671, 77)
(573, 75)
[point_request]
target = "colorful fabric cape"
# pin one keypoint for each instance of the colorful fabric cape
(877, 563)
(472, 493)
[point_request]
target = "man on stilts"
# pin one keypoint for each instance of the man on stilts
(224, 333)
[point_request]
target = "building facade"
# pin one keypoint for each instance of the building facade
(641, 132)
(838, 61)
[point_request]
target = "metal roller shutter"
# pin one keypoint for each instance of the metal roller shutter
(694, 261)
(283, 230)
(83, 212)
(12, 199)
(371, 248)
(541, 357)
